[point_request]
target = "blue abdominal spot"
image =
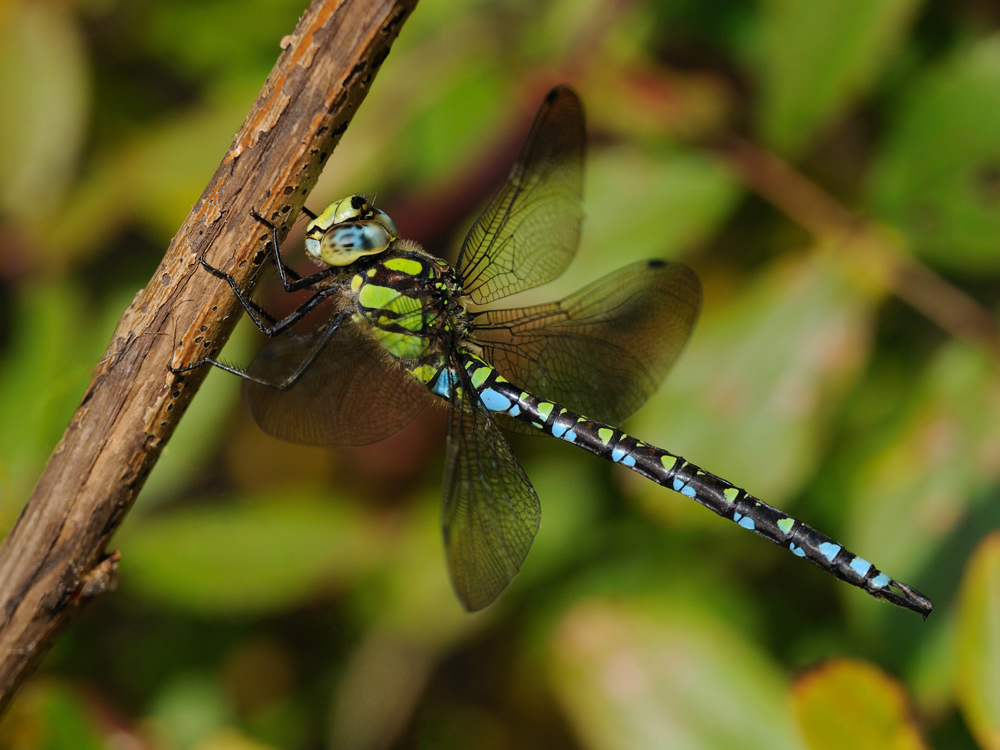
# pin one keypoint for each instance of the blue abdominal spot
(494, 401)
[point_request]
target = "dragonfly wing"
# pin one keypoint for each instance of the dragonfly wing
(531, 229)
(491, 511)
(603, 350)
(349, 395)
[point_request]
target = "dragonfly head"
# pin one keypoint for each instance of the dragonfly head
(349, 229)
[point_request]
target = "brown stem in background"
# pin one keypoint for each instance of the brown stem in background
(53, 560)
(808, 205)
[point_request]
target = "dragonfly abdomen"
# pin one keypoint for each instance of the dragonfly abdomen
(671, 471)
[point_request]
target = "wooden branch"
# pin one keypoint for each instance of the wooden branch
(53, 560)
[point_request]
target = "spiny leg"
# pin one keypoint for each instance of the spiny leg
(209, 361)
(284, 271)
(264, 314)
(323, 337)
(258, 315)
(254, 310)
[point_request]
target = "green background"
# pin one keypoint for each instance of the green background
(273, 596)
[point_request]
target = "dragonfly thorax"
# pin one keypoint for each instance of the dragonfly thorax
(347, 230)
(408, 300)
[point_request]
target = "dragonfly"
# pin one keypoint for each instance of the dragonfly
(408, 328)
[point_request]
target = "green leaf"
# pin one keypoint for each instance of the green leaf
(43, 80)
(258, 556)
(852, 704)
(938, 461)
(197, 37)
(447, 135)
(189, 708)
(634, 674)
(51, 715)
(413, 597)
(939, 176)
(817, 57)
(979, 643)
(155, 175)
(674, 199)
(42, 379)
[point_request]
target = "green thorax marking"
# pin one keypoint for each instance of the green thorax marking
(399, 297)
(405, 265)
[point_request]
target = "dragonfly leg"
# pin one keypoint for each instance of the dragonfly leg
(324, 337)
(264, 314)
(214, 363)
(258, 315)
(288, 270)
(284, 272)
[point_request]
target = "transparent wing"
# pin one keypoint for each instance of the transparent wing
(349, 396)
(491, 511)
(603, 350)
(529, 232)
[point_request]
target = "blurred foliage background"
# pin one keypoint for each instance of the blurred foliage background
(273, 596)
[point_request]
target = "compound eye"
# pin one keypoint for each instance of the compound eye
(314, 247)
(383, 218)
(346, 209)
(345, 243)
(352, 208)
